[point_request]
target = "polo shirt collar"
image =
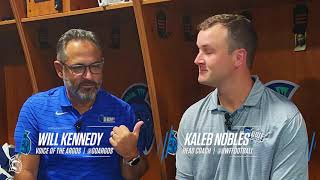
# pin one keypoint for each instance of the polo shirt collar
(255, 93)
(253, 98)
(213, 103)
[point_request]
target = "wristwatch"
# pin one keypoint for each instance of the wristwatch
(134, 161)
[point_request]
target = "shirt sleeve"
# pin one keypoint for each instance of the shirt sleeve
(26, 132)
(183, 161)
(291, 155)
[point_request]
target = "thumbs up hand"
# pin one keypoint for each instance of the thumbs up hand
(124, 141)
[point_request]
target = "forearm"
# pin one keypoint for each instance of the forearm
(29, 167)
(134, 172)
(25, 175)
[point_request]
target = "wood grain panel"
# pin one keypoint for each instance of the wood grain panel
(18, 8)
(76, 4)
(18, 89)
(5, 10)
(40, 8)
(15, 82)
(3, 110)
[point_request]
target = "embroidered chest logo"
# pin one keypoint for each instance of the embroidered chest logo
(255, 135)
(107, 119)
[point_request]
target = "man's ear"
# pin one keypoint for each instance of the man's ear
(240, 57)
(59, 68)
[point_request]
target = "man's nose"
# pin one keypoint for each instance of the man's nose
(198, 60)
(87, 73)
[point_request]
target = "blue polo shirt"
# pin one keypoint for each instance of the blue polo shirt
(48, 117)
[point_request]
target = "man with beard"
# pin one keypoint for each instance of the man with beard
(79, 107)
(274, 146)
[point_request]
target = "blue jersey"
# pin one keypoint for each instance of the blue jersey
(72, 146)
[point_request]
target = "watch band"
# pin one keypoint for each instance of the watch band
(134, 161)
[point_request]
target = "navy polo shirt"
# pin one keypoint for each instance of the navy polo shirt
(49, 116)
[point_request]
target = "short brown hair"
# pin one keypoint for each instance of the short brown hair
(241, 33)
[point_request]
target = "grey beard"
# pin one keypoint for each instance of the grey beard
(86, 96)
(82, 96)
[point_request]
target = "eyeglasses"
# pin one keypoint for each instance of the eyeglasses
(95, 68)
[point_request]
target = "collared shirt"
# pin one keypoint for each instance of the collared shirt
(267, 139)
(48, 120)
